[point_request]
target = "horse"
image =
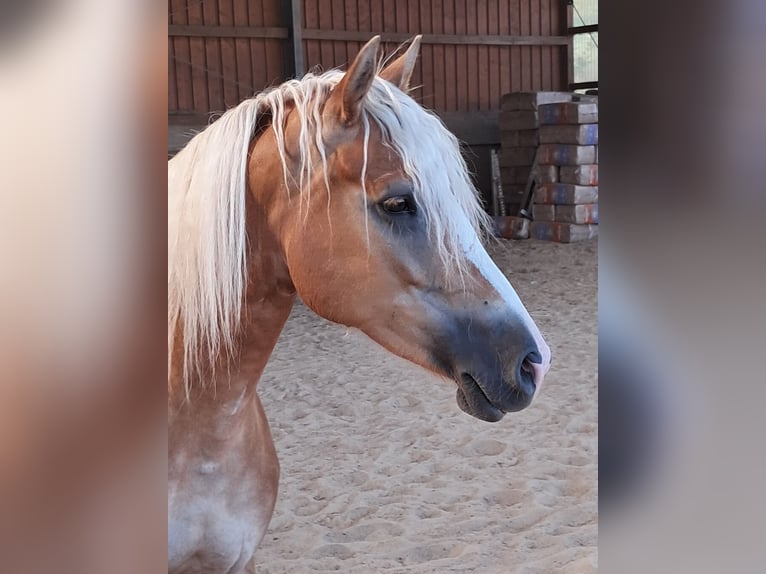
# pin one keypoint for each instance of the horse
(340, 189)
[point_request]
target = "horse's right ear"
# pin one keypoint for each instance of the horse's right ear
(345, 101)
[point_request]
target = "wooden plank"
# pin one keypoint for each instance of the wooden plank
(182, 57)
(535, 53)
(472, 57)
(516, 50)
(363, 11)
(198, 63)
(413, 25)
(340, 53)
(440, 89)
(547, 51)
(505, 72)
(213, 58)
(219, 31)
(228, 56)
(244, 58)
(427, 58)
(259, 65)
(172, 80)
(526, 53)
(483, 55)
(461, 57)
(389, 16)
(493, 29)
(326, 51)
(274, 47)
(559, 59)
(352, 23)
(311, 17)
(439, 39)
(401, 17)
(450, 59)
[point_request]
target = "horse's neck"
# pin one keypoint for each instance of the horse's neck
(229, 400)
(268, 300)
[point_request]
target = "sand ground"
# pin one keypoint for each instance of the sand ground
(382, 472)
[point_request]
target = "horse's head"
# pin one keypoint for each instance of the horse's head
(382, 232)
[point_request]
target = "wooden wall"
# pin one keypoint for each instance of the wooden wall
(473, 51)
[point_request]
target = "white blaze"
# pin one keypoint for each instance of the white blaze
(477, 255)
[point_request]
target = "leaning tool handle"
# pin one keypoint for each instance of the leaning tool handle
(525, 209)
(497, 186)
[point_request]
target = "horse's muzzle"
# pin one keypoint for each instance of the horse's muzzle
(489, 396)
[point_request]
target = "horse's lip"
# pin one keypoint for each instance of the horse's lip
(473, 400)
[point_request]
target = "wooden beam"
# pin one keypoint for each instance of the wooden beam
(583, 29)
(451, 39)
(296, 37)
(199, 31)
(299, 34)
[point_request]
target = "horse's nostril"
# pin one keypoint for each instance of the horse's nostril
(528, 370)
(533, 357)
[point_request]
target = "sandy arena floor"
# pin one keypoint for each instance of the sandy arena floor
(382, 472)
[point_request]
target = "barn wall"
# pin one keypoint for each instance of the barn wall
(474, 51)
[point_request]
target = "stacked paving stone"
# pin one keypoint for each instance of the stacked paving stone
(564, 133)
(520, 136)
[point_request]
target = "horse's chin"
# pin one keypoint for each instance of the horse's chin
(472, 400)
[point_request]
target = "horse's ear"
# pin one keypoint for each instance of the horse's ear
(400, 70)
(345, 101)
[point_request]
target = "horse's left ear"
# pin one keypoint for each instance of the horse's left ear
(345, 101)
(400, 70)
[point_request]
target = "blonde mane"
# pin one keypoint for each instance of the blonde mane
(207, 183)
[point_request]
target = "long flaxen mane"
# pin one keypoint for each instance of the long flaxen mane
(207, 183)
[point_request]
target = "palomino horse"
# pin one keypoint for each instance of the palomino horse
(341, 189)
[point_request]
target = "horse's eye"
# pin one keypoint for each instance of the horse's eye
(399, 204)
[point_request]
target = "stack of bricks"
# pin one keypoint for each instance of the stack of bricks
(562, 128)
(519, 138)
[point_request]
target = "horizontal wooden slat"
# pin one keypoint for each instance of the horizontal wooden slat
(227, 32)
(357, 36)
(471, 128)
(451, 39)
